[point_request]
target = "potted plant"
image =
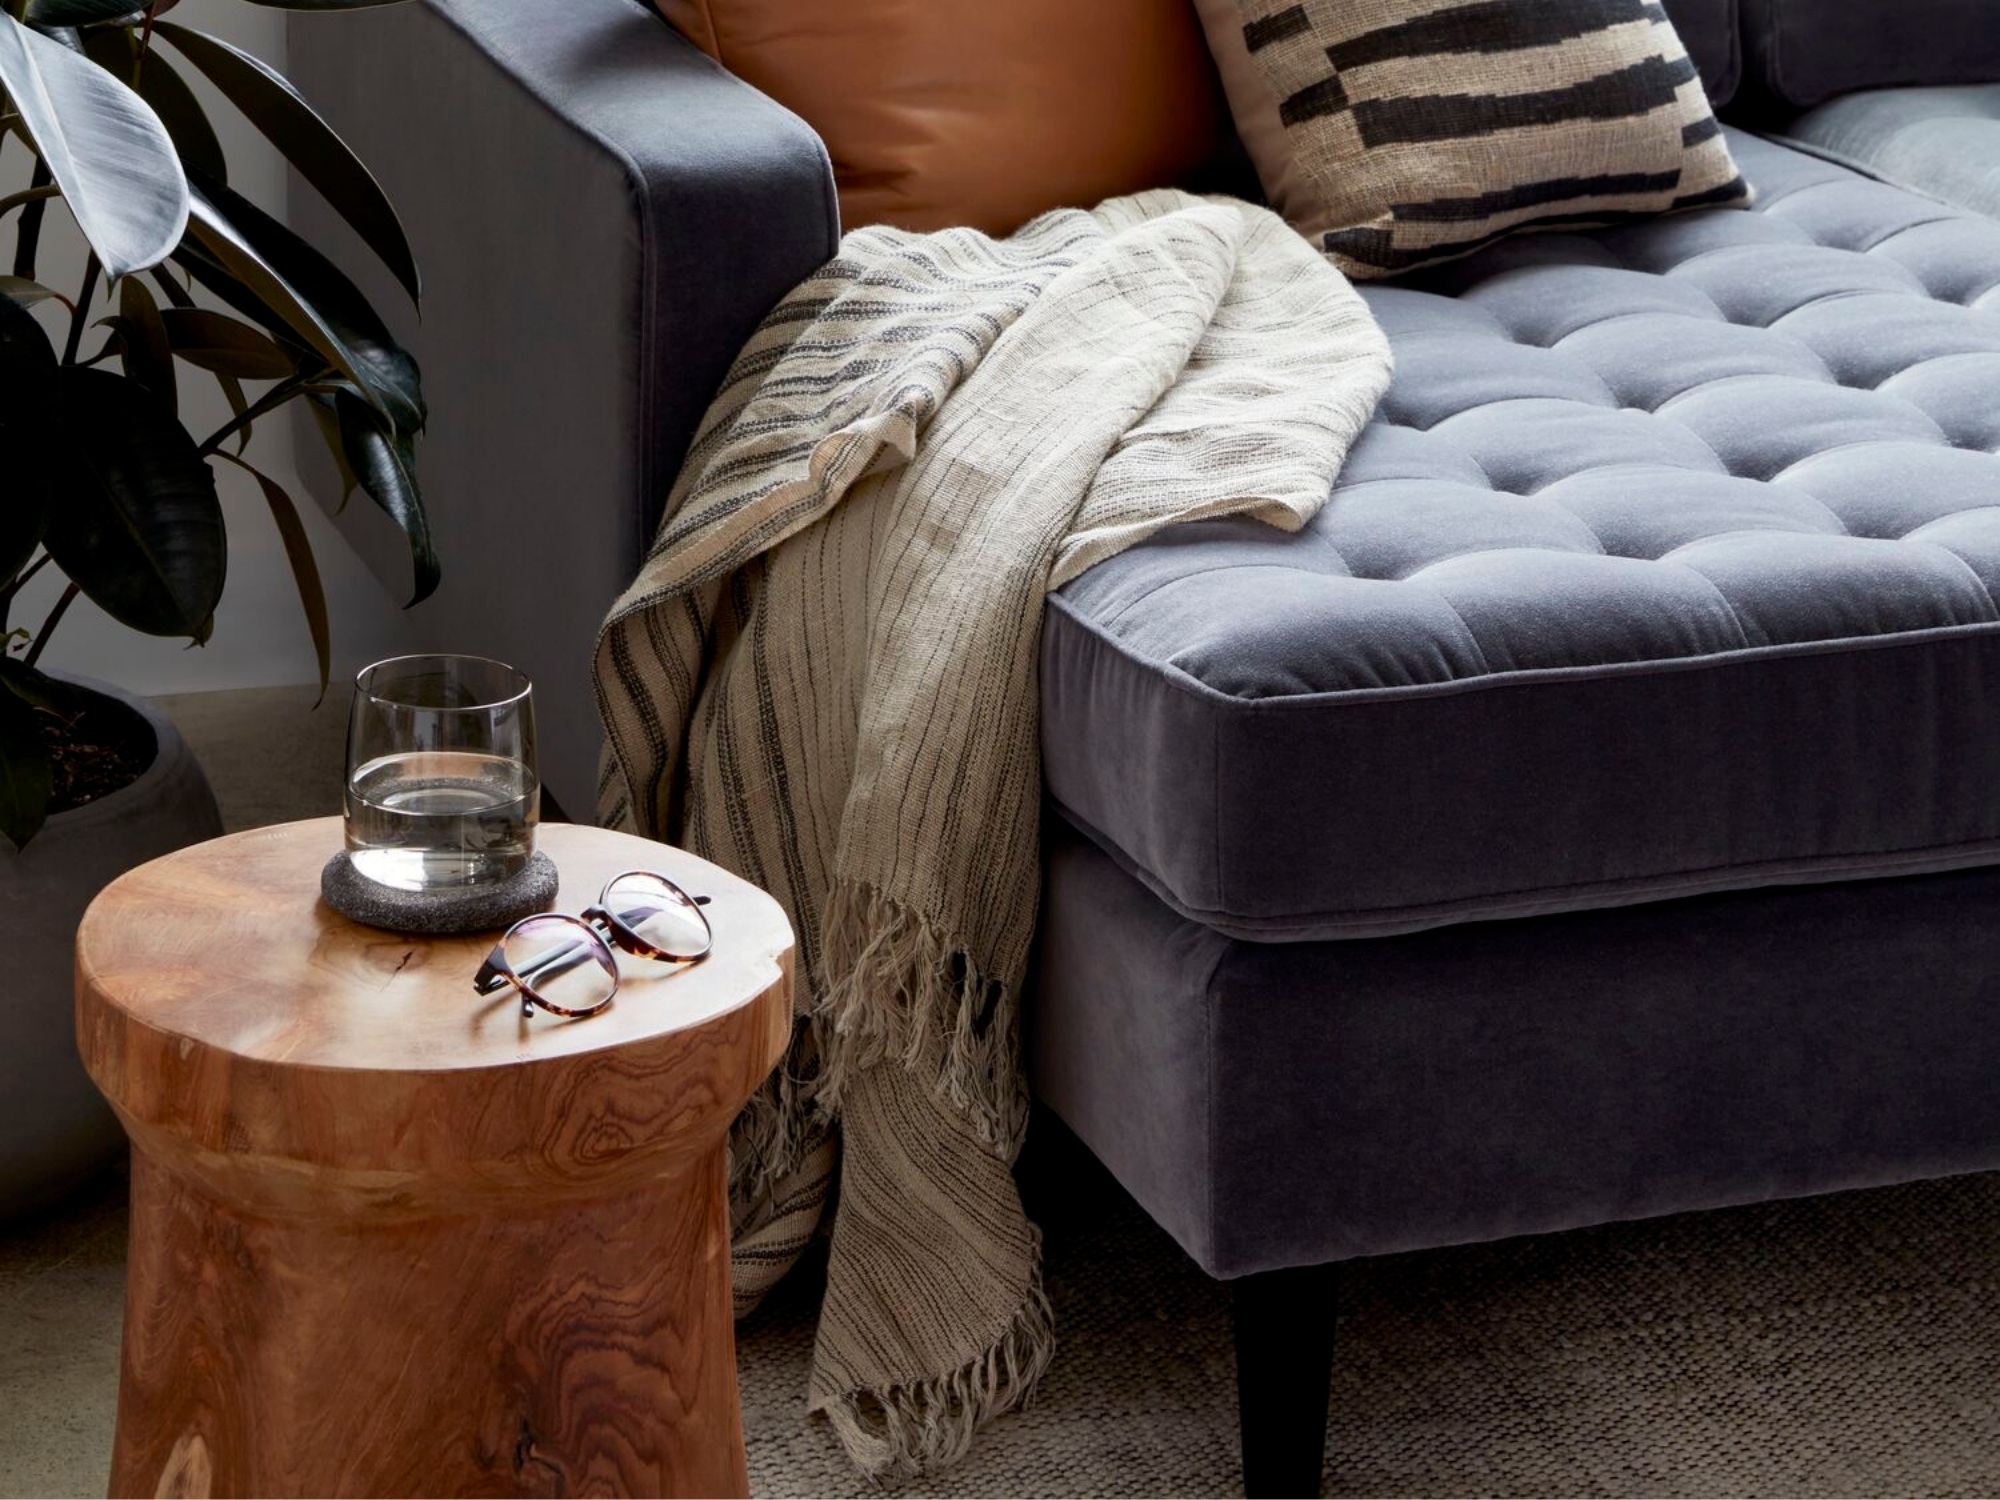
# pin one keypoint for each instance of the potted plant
(102, 485)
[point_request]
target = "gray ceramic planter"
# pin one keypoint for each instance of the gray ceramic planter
(54, 1128)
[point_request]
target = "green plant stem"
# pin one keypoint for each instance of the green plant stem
(20, 580)
(145, 41)
(77, 319)
(28, 232)
(28, 195)
(270, 401)
(48, 626)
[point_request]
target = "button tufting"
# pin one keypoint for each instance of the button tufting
(1651, 517)
(1814, 367)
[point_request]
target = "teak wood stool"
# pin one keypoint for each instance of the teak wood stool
(391, 1237)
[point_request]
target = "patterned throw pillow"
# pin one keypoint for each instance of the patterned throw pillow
(1396, 133)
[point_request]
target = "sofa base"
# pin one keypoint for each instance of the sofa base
(1281, 1105)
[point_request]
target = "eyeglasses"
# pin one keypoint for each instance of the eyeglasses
(565, 964)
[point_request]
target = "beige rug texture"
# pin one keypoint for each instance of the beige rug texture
(1847, 1345)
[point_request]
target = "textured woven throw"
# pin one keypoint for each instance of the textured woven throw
(824, 679)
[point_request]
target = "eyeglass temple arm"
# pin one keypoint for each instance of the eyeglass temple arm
(493, 973)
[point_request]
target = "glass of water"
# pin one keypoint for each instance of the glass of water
(442, 784)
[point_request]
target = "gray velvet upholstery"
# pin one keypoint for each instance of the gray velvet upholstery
(602, 216)
(1277, 1104)
(1712, 33)
(1942, 142)
(1806, 51)
(1667, 568)
(1668, 565)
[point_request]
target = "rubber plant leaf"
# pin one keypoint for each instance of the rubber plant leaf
(266, 272)
(37, 688)
(320, 407)
(232, 390)
(322, 158)
(117, 48)
(25, 293)
(305, 568)
(135, 521)
(102, 144)
(27, 424)
(147, 355)
(212, 341)
(27, 776)
(46, 14)
(383, 462)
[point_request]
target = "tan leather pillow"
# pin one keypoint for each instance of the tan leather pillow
(980, 112)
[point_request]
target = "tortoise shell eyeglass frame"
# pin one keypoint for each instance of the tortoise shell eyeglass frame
(601, 927)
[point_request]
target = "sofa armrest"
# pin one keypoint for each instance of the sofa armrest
(602, 216)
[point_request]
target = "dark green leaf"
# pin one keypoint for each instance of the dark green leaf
(231, 391)
(172, 100)
(166, 281)
(46, 14)
(266, 272)
(69, 36)
(384, 464)
(104, 145)
(37, 688)
(28, 229)
(27, 424)
(305, 571)
(27, 778)
(222, 344)
(135, 523)
(20, 335)
(24, 293)
(148, 357)
(327, 420)
(270, 103)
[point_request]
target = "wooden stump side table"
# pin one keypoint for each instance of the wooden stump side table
(392, 1237)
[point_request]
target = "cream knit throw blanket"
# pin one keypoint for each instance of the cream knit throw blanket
(825, 680)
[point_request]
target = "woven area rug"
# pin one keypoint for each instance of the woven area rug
(1833, 1346)
(1847, 1345)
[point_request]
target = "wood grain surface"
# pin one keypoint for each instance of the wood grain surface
(392, 1237)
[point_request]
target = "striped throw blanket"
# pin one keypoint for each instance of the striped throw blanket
(824, 679)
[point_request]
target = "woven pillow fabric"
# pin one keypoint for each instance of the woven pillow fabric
(1396, 133)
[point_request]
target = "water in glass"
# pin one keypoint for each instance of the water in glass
(427, 818)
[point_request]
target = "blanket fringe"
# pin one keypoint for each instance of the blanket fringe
(910, 1430)
(777, 1128)
(903, 990)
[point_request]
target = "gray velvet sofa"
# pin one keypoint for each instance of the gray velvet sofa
(1590, 816)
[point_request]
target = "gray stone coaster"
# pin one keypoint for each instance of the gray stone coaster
(481, 908)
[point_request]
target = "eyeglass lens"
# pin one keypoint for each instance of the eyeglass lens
(563, 961)
(659, 914)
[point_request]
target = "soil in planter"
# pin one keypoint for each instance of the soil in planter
(99, 745)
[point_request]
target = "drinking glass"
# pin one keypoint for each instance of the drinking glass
(442, 784)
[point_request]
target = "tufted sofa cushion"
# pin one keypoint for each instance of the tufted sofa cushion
(1942, 142)
(1668, 565)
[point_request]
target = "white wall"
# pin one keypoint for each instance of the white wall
(260, 635)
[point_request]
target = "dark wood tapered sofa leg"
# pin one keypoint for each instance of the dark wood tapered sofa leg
(1284, 1374)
